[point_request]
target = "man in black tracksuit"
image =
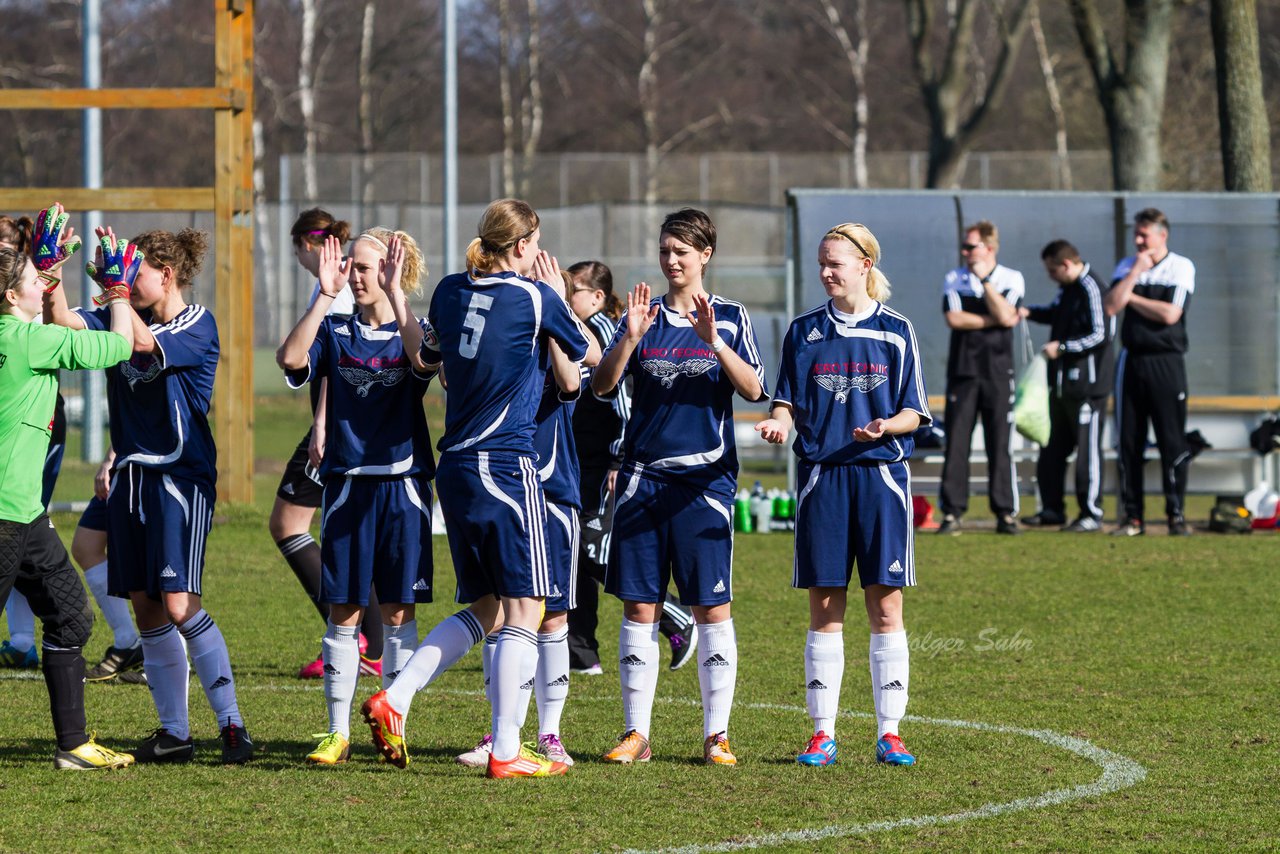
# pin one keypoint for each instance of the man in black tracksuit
(1081, 363)
(1154, 288)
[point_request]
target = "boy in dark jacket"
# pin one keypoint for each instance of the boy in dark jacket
(1081, 363)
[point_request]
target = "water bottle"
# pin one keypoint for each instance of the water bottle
(742, 512)
(761, 509)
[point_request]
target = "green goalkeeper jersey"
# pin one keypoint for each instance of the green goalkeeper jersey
(31, 354)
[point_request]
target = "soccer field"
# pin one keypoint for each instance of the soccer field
(1066, 693)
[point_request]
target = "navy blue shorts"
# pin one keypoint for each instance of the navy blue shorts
(664, 530)
(376, 530)
(496, 517)
(157, 525)
(94, 516)
(562, 553)
(854, 515)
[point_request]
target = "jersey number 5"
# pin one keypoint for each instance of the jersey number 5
(473, 325)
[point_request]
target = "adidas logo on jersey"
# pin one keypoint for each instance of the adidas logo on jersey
(421, 584)
(896, 568)
(814, 335)
(631, 661)
(168, 572)
(342, 330)
(220, 682)
(716, 660)
(816, 685)
(719, 588)
(528, 686)
(595, 525)
(562, 680)
(895, 685)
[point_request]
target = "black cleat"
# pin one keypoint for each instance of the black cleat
(161, 746)
(1178, 527)
(1043, 520)
(115, 662)
(237, 747)
(1130, 528)
(950, 525)
(1007, 525)
(1083, 525)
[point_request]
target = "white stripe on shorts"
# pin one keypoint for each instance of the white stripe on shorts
(541, 568)
(910, 570)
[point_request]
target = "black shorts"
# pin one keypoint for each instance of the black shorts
(597, 516)
(301, 484)
(33, 561)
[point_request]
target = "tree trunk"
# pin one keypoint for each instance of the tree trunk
(505, 38)
(647, 85)
(856, 58)
(1055, 100)
(531, 112)
(1242, 111)
(367, 195)
(307, 98)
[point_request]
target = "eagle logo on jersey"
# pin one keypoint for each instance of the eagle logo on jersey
(146, 372)
(363, 379)
(668, 371)
(840, 385)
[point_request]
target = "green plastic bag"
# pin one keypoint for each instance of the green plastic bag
(1031, 401)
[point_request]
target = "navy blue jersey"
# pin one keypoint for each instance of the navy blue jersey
(375, 420)
(553, 440)
(839, 372)
(681, 422)
(159, 402)
(491, 334)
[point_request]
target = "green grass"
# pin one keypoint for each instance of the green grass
(1157, 649)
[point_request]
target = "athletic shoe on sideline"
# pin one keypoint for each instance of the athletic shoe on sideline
(163, 746)
(890, 751)
(478, 756)
(1007, 525)
(387, 728)
(1043, 520)
(370, 666)
(1082, 525)
(821, 750)
(683, 645)
(527, 763)
(716, 751)
(589, 670)
(237, 747)
(950, 525)
(1178, 527)
(1130, 528)
(115, 662)
(333, 750)
(550, 746)
(90, 756)
(632, 747)
(19, 659)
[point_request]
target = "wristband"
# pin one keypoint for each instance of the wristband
(323, 294)
(717, 345)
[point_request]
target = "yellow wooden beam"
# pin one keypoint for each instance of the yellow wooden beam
(216, 98)
(108, 198)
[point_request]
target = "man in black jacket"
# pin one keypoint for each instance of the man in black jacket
(1081, 362)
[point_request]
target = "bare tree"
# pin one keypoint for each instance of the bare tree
(1132, 94)
(307, 96)
(958, 110)
(1047, 64)
(1242, 111)
(856, 58)
(519, 69)
(365, 112)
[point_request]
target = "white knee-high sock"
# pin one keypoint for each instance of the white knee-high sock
(22, 622)
(115, 609)
(823, 673)
(638, 670)
(212, 662)
(890, 677)
(440, 649)
(552, 685)
(398, 645)
(164, 660)
(341, 652)
(486, 663)
(717, 674)
(514, 662)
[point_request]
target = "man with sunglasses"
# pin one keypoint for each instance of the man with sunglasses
(980, 301)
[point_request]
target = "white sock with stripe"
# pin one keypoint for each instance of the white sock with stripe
(890, 677)
(440, 649)
(717, 674)
(552, 684)
(823, 673)
(115, 609)
(212, 663)
(514, 663)
(341, 652)
(486, 663)
(164, 660)
(638, 670)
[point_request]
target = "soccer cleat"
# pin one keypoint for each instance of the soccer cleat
(589, 670)
(370, 666)
(1043, 520)
(550, 746)
(716, 750)
(478, 756)
(1130, 528)
(90, 756)
(162, 746)
(333, 750)
(682, 647)
(312, 669)
(632, 747)
(115, 662)
(133, 677)
(950, 525)
(527, 763)
(237, 747)
(1082, 525)
(1007, 525)
(11, 656)
(387, 727)
(890, 751)
(1178, 527)
(820, 751)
